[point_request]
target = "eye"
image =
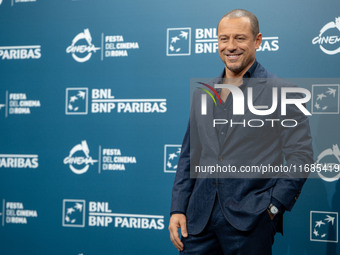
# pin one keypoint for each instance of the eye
(223, 39)
(240, 39)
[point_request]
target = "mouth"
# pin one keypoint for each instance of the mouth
(233, 56)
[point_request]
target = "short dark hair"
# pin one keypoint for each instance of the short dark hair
(238, 13)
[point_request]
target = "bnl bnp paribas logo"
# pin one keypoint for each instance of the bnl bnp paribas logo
(22, 52)
(19, 1)
(73, 213)
(76, 101)
(99, 214)
(171, 157)
(325, 99)
(324, 226)
(179, 41)
(81, 101)
(329, 37)
(83, 46)
(19, 161)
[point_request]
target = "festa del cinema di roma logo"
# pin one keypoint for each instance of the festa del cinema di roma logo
(110, 159)
(112, 46)
(79, 159)
(82, 52)
(329, 159)
(327, 42)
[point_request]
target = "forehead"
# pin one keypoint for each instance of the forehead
(239, 25)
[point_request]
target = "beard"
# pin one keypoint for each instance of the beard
(238, 68)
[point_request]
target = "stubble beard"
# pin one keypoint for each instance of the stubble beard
(238, 69)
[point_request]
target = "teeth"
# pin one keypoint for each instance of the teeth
(233, 56)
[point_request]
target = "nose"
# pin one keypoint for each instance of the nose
(231, 45)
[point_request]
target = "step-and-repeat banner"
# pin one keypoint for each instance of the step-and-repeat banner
(94, 103)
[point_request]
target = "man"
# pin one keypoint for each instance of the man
(237, 215)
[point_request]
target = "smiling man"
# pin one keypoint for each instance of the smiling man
(238, 39)
(237, 215)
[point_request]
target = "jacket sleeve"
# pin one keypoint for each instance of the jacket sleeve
(296, 144)
(190, 155)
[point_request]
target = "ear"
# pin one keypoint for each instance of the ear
(258, 40)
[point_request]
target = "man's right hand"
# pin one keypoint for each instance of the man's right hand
(178, 221)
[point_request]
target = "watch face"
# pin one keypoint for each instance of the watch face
(274, 210)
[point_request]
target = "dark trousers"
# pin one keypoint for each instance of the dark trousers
(219, 237)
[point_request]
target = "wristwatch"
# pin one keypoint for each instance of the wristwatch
(273, 209)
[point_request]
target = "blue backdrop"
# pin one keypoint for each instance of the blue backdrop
(94, 103)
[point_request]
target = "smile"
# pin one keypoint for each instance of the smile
(233, 56)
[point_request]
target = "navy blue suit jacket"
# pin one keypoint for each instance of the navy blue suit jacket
(242, 200)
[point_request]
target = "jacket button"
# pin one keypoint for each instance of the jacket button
(220, 158)
(214, 183)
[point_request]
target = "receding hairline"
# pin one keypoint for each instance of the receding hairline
(241, 13)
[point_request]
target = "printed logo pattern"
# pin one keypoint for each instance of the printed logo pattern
(330, 162)
(325, 99)
(79, 159)
(73, 213)
(178, 41)
(324, 226)
(76, 101)
(171, 156)
(82, 52)
(328, 38)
